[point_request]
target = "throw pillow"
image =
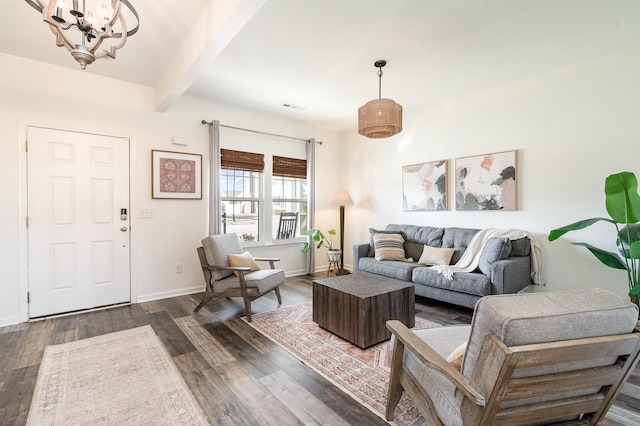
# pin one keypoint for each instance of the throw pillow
(372, 232)
(244, 259)
(436, 256)
(455, 358)
(497, 248)
(388, 246)
(412, 249)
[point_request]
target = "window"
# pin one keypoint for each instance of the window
(245, 203)
(289, 198)
(241, 187)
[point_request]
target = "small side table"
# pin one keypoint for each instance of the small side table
(333, 266)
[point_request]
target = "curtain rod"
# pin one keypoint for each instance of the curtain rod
(210, 123)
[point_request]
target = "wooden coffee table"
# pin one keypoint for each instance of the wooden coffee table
(356, 307)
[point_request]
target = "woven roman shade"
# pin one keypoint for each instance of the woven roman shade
(240, 160)
(289, 167)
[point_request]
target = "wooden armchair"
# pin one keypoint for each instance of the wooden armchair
(224, 280)
(287, 226)
(546, 357)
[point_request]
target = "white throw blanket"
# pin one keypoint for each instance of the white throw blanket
(471, 256)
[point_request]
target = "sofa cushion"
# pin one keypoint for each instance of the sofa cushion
(463, 282)
(389, 246)
(497, 248)
(459, 239)
(428, 235)
(416, 237)
(435, 256)
(521, 319)
(389, 268)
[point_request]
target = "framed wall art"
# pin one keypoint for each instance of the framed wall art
(486, 182)
(424, 186)
(176, 175)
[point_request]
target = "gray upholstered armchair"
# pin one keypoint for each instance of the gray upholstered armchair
(529, 358)
(218, 255)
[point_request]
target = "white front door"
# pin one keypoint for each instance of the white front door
(78, 242)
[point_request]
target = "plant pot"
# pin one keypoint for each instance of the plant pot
(334, 255)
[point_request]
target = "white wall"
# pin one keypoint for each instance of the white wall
(33, 93)
(571, 128)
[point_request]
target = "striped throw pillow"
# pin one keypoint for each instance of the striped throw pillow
(388, 246)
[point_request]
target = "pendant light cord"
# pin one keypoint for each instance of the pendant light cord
(379, 83)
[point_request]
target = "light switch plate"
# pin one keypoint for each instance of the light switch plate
(146, 214)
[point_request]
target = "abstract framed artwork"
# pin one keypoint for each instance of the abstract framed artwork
(424, 186)
(176, 175)
(486, 182)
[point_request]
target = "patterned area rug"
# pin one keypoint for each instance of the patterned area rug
(119, 378)
(362, 373)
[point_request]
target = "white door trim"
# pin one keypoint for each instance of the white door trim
(23, 248)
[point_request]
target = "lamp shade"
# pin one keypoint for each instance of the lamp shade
(380, 118)
(342, 198)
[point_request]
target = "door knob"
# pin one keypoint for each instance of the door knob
(123, 229)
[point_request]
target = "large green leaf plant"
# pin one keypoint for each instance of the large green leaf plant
(623, 205)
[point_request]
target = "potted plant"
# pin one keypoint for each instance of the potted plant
(623, 205)
(319, 240)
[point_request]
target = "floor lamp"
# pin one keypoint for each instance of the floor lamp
(342, 199)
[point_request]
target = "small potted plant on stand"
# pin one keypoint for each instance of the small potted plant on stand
(623, 205)
(319, 240)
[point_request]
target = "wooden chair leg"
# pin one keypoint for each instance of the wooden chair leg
(245, 296)
(395, 388)
(277, 290)
(247, 307)
(205, 300)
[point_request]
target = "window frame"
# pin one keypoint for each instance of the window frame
(266, 234)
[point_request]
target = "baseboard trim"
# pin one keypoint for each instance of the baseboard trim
(167, 294)
(6, 321)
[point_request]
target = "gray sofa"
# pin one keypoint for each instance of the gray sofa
(504, 268)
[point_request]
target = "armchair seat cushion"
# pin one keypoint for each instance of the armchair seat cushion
(263, 280)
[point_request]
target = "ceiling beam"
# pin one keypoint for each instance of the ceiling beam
(218, 24)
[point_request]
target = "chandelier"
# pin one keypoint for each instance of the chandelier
(84, 35)
(380, 118)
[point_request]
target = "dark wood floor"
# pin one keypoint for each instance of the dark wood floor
(239, 376)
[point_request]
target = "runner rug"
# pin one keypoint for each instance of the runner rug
(362, 373)
(127, 377)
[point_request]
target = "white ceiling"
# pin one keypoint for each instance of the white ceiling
(319, 55)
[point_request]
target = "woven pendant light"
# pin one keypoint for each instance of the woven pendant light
(380, 118)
